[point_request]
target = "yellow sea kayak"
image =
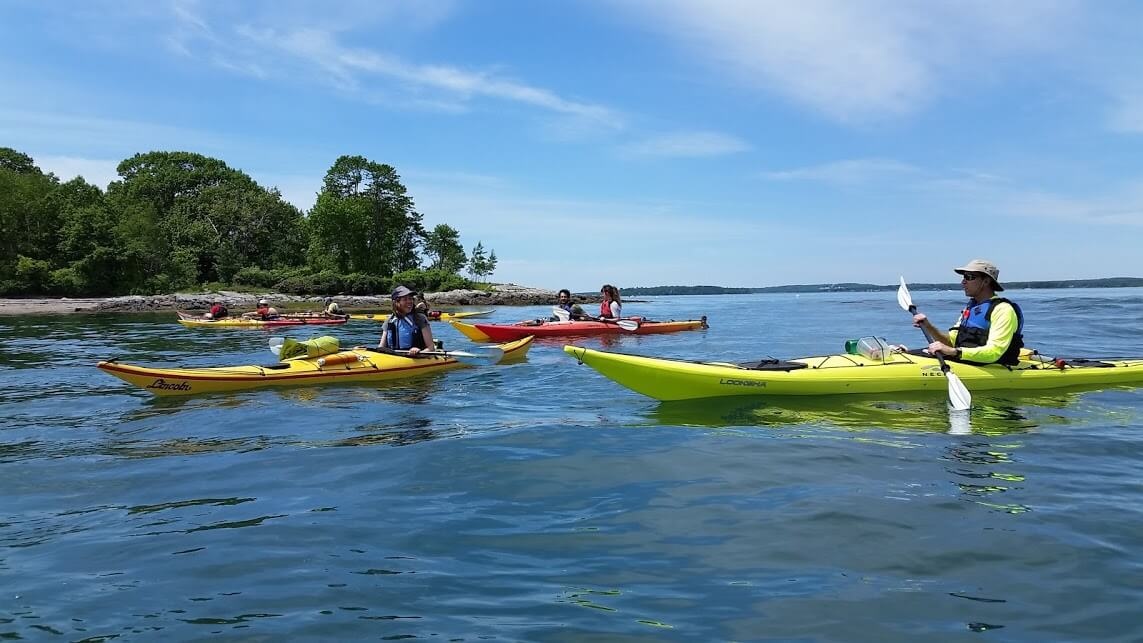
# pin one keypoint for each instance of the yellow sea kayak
(380, 317)
(673, 379)
(354, 365)
(294, 319)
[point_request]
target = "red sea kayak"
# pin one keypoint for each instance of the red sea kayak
(509, 332)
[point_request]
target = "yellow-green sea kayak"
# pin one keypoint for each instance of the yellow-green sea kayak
(675, 379)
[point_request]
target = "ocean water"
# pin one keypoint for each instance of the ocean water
(539, 501)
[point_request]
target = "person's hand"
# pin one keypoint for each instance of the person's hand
(919, 320)
(413, 351)
(942, 348)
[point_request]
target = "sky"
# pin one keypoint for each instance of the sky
(635, 142)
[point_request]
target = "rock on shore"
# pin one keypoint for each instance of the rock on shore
(500, 295)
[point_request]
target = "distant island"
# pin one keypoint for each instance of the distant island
(1109, 282)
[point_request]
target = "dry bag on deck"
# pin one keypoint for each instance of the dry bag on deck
(317, 347)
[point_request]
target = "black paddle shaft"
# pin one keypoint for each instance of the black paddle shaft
(939, 356)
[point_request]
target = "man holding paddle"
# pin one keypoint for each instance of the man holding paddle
(989, 330)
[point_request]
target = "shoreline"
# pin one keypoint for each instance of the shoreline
(500, 295)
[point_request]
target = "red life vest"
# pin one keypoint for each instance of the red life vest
(605, 309)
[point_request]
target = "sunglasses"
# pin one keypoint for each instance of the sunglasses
(971, 276)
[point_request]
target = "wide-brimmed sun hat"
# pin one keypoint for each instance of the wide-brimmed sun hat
(984, 267)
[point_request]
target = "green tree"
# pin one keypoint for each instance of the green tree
(481, 264)
(187, 218)
(28, 226)
(89, 250)
(443, 245)
(364, 221)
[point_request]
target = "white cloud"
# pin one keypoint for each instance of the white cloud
(857, 60)
(847, 172)
(40, 130)
(1127, 110)
(99, 172)
(1122, 209)
(686, 145)
(304, 49)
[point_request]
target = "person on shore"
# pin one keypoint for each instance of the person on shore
(264, 311)
(218, 311)
(989, 330)
(565, 310)
(331, 308)
(612, 306)
(406, 329)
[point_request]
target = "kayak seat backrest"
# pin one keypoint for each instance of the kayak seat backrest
(772, 365)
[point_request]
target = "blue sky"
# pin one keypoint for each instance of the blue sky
(635, 142)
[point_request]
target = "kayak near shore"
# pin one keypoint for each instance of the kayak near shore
(288, 319)
(633, 326)
(677, 379)
(353, 365)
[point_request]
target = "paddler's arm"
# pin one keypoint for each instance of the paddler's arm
(920, 320)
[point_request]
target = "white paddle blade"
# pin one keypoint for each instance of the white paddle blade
(492, 355)
(903, 297)
(959, 397)
(561, 314)
(628, 324)
(958, 423)
(276, 345)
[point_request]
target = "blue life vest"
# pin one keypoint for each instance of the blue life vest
(403, 333)
(975, 322)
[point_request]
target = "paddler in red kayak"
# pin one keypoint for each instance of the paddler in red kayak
(612, 306)
(565, 310)
(263, 312)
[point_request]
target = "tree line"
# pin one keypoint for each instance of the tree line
(1106, 282)
(179, 220)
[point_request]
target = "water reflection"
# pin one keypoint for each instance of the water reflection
(906, 412)
(986, 472)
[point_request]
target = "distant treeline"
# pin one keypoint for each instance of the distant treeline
(179, 220)
(1110, 282)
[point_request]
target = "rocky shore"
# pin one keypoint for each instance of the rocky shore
(500, 295)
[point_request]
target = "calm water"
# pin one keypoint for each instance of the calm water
(541, 502)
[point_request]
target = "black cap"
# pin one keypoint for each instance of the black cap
(401, 291)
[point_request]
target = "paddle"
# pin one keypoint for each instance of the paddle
(489, 354)
(629, 325)
(959, 397)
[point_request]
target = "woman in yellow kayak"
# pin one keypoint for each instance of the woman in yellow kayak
(406, 329)
(990, 329)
